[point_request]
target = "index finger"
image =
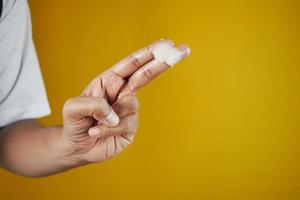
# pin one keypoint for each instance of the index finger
(136, 60)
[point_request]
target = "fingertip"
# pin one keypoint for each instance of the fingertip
(94, 132)
(112, 119)
(185, 49)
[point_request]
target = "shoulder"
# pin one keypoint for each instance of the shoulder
(9, 5)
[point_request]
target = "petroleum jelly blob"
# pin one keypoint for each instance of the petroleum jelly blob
(166, 52)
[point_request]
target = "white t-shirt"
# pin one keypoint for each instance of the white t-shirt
(22, 91)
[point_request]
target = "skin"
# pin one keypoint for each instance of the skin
(97, 125)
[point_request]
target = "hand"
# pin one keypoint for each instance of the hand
(103, 120)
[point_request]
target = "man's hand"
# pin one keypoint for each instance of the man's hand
(97, 125)
(103, 120)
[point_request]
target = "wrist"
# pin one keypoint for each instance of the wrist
(65, 151)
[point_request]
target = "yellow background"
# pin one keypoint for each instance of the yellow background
(223, 124)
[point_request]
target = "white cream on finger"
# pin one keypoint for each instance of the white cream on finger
(166, 52)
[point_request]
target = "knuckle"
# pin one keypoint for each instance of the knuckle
(109, 131)
(132, 101)
(100, 103)
(148, 74)
(135, 62)
(135, 127)
(101, 107)
(70, 105)
(135, 102)
(130, 127)
(126, 127)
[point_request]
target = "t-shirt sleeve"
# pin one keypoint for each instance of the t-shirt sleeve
(22, 91)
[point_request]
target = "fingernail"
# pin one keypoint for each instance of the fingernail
(94, 132)
(112, 119)
(187, 51)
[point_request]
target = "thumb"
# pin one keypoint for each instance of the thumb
(78, 108)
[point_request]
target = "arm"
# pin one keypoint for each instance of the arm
(29, 149)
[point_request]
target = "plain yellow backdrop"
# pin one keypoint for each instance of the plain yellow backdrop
(223, 124)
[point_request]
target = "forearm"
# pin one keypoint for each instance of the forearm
(29, 149)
